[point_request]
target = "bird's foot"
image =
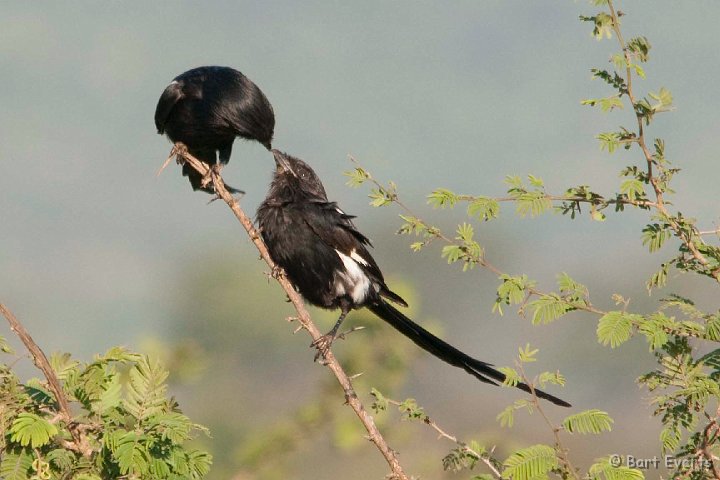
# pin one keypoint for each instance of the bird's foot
(323, 345)
(178, 151)
(276, 272)
(208, 180)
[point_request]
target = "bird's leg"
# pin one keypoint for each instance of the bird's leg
(209, 178)
(208, 181)
(323, 343)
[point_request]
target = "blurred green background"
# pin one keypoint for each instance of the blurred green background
(95, 251)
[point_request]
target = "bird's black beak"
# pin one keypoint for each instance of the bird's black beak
(282, 163)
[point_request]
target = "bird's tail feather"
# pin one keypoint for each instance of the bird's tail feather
(446, 352)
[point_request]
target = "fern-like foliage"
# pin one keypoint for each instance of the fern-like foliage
(531, 463)
(128, 427)
(590, 421)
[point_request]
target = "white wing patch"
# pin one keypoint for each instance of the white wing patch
(352, 280)
(354, 255)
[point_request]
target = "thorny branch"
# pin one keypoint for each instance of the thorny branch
(483, 457)
(688, 238)
(79, 443)
(303, 316)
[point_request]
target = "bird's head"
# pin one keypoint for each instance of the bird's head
(295, 177)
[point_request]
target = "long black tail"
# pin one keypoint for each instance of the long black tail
(446, 352)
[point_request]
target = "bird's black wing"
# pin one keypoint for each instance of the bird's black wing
(169, 98)
(336, 230)
(244, 107)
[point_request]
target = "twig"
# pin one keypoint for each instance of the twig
(687, 238)
(41, 362)
(705, 448)
(485, 458)
(331, 362)
(562, 451)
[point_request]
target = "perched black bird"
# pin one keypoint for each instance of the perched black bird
(206, 108)
(326, 258)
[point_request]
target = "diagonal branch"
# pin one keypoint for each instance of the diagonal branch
(41, 362)
(351, 397)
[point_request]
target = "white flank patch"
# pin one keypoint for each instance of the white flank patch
(354, 255)
(353, 280)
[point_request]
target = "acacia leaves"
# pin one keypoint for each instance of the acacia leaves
(130, 428)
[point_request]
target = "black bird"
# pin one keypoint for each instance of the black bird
(206, 108)
(326, 258)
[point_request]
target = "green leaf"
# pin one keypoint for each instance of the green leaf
(146, 388)
(86, 476)
(131, 454)
(548, 308)
(615, 328)
(173, 426)
(381, 403)
(452, 253)
(640, 47)
(663, 98)
(512, 290)
(442, 198)
(483, 208)
(110, 397)
(659, 278)
(633, 189)
(655, 235)
(4, 346)
(507, 416)
(527, 355)
(356, 177)
(531, 463)
(670, 437)
(512, 377)
(465, 232)
(198, 463)
(31, 429)
(602, 24)
(533, 203)
(712, 328)
(597, 215)
(654, 329)
(589, 421)
(556, 378)
(60, 458)
(63, 365)
(15, 465)
(609, 141)
(606, 104)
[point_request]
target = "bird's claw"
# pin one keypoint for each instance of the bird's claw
(323, 345)
(276, 272)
